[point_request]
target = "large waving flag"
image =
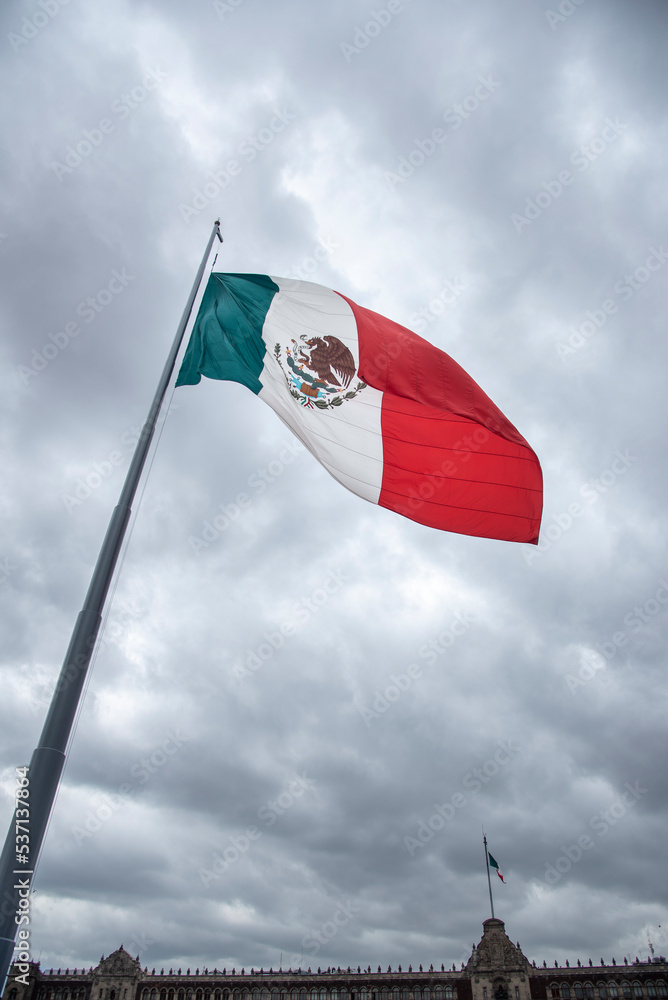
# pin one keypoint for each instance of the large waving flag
(391, 417)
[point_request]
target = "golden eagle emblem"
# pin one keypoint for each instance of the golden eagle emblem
(318, 371)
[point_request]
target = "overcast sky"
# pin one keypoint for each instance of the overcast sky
(491, 175)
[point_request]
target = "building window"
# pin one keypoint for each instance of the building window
(589, 991)
(517, 993)
(651, 989)
(484, 992)
(565, 991)
(448, 993)
(603, 991)
(612, 991)
(578, 991)
(637, 989)
(554, 989)
(416, 993)
(661, 987)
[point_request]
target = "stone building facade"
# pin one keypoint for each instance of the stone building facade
(496, 970)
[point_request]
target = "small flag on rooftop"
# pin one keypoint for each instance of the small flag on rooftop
(495, 865)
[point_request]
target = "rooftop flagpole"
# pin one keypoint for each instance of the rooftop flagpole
(37, 785)
(489, 881)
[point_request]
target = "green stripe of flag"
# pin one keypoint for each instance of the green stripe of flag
(226, 341)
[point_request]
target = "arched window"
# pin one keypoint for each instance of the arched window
(579, 993)
(334, 993)
(589, 991)
(416, 993)
(613, 992)
(438, 993)
(602, 991)
(323, 994)
(637, 989)
(426, 993)
(651, 988)
(170, 994)
(661, 988)
(314, 993)
(554, 990)
(565, 991)
(404, 993)
(448, 993)
(626, 990)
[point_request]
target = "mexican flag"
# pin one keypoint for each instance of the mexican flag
(495, 864)
(391, 417)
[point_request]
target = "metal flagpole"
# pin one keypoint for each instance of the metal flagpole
(489, 881)
(37, 785)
